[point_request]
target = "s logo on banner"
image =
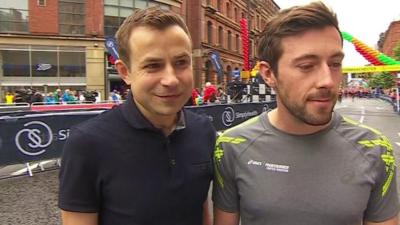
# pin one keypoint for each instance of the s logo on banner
(228, 116)
(34, 139)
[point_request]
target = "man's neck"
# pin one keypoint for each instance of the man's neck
(166, 123)
(291, 125)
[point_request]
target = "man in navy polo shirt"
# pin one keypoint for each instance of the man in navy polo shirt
(147, 161)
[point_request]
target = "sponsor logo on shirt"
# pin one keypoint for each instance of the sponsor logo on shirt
(269, 166)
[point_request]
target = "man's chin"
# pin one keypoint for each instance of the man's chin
(317, 120)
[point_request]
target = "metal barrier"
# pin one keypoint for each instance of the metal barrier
(35, 136)
(14, 107)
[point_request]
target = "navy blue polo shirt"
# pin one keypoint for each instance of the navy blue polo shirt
(122, 167)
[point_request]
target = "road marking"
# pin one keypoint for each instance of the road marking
(33, 166)
(379, 108)
(362, 114)
(24, 170)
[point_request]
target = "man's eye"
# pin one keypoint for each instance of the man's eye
(336, 65)
(306, 66)
(152, 66)
(182, 62)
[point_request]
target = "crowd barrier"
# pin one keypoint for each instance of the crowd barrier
(393, 103)
(29, 136)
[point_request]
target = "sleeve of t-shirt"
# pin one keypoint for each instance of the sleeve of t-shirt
(79, 182)
(383, 203)
(225, 193)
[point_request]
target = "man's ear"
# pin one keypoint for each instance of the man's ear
(267, 74)
(123, 71)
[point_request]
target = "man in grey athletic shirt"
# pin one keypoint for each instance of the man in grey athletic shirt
(301, 163)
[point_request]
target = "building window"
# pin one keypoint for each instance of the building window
(42, 61)
(219, 5)
(243, 15)
(41, 2)
(237, 43)
(14, 16)
(258, 22)
(72, 17)
(208, 68)
(15, 62)
(236, 14)
(209, 32)
(220, 36)
(229, 40)
(72, 64)
(228, 10)
(115, 12)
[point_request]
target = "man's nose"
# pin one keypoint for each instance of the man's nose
(169, 76)
(326, 77)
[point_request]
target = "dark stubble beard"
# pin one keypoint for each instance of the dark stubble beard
(300, 112)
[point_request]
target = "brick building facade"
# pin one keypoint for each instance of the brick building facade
(214, 25)
(47, 44)
(50, 44)
(390, 39)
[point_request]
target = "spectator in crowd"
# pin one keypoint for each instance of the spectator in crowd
(210, 93)
(9, 98)
(37, 97)
(68, 97)
(50, 100)
(58, 95)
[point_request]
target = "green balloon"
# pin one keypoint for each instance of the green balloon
(347, 36)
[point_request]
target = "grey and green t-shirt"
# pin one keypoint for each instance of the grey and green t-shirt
(343, 174)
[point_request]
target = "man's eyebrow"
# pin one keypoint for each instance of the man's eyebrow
(182, 55)
(313, 57)
(152, 60)
(305, 57)
(338, 55)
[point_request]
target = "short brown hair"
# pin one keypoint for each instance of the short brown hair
(289, 22)
(153, 17)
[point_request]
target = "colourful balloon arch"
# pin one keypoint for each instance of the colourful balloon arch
(373, 56)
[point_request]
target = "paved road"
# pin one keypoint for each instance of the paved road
(33, 200)
(30, 200)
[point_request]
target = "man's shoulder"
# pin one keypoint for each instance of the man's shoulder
(368, 140)
(246, 128)
(102, 124)
(196, 120)
(239, 138)
(355, 131)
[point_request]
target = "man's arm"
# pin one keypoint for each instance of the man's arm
(206, 213)
(76, 218)
(392, 221)
(225, 218)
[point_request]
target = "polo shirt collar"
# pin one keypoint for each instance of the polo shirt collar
(136, 119)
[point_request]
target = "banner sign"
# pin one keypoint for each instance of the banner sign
(216, 60)
(27, 136)
(112, 48)
(39, 136)
(371, 69)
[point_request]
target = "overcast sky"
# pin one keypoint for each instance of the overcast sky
(364, 20)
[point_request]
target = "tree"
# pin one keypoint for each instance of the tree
(384, 80)
(396, 51)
